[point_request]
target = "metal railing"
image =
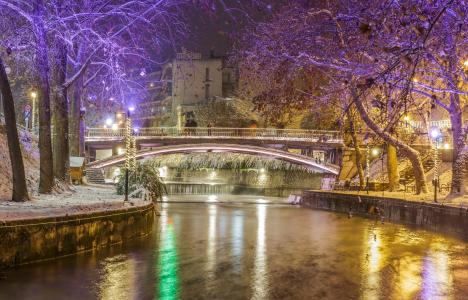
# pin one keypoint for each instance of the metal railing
(205, 132)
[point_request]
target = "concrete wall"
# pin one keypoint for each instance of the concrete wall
(435, 217)
(33, 240)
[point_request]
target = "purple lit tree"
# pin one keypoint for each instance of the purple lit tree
(387, 59)
(75, 45)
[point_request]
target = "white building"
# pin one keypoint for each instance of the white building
(196, 79)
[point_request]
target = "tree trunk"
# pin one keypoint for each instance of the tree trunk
(412, 154)
(20, 190)
(75, 119)
(357, 150)
(46, 180)
(458, 163)
(60, 112)
(392, 168)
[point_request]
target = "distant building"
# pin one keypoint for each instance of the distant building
(187, 81)
(196, 79)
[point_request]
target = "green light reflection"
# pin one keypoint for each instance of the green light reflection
(168, 264)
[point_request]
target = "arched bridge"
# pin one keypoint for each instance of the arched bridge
(232, 148)
(154, 136)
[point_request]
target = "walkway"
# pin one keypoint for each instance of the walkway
(269, 135)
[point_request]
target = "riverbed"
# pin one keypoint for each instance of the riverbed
(257, 249)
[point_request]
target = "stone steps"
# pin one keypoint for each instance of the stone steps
(95, 176)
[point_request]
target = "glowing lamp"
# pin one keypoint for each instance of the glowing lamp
(375, 151)
(131, 108)
(446, 146)
(33, 94)
(406, 118)
(435, 133)
(108, 121)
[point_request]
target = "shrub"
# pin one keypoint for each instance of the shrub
(144, 182)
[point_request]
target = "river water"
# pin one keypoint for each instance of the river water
(255, 250)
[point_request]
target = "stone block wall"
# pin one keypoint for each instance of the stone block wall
(27, 241)
(448, 219)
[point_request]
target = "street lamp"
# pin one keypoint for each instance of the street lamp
(109, 122)
(375, 153)
(367, 165)
(436, 136)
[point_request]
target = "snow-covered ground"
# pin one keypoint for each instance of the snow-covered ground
(84, 199)
(461, 201)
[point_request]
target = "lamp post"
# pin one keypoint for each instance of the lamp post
(367, 166)
(129, 145)
(375, 153)
(33, 113)
(436, 135)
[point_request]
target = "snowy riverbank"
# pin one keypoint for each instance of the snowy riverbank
(85, 199)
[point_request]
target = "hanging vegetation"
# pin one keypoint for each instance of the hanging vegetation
(235, 161)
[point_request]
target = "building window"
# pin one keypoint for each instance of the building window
(207, 74)
(207, 91)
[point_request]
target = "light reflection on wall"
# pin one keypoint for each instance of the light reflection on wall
(118, 281)
(211, 247)
(372, 263)
(437, 276)
(260, 281)
(168, 261)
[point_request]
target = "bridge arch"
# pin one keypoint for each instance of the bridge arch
(231, 148)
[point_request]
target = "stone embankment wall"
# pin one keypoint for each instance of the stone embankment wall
(32, 240)
(448, 219)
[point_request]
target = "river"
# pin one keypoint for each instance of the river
(255, 249)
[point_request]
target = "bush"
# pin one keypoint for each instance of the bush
(144, 182)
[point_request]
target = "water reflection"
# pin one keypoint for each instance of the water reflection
(297, 254)
(211, 243)
(372, 263)
(237, 240)
(118, 279)
(408, 277)
(260, 281)
(437, 278)
(168, 260)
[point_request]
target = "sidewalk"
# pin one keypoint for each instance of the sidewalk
(85, 199)
(442, 199)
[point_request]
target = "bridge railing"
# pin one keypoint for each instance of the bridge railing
(255, 133)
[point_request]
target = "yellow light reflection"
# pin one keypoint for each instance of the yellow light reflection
(118, 279)
(372, 263)
(260, 281)
(409, 277)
